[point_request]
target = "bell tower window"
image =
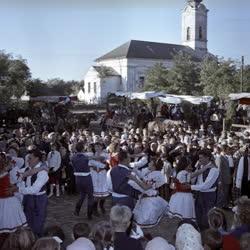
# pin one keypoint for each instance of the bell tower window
(200, 33)
(188, 33)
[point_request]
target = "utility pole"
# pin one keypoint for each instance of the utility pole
(242, 71)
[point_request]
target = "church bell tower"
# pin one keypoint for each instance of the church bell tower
(194, 26)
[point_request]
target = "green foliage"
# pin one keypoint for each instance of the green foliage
(246, 78)
(157, 78)
(53, 87)
(219, 77)
(104, 71)
(183, 78)
(230, 113)
(14, 75)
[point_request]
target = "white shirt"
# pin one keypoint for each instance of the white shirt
(54, 160)
(41, 180)
(142, 162)
(230, 161)
(205, 186)
(240, 170)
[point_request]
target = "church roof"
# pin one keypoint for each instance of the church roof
(148, 50)
(108, 71)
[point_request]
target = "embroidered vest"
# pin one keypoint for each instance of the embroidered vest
(33, 179)
(205, 175)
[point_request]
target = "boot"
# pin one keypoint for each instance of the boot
(57, 190)
(51, 192)
(102, 206)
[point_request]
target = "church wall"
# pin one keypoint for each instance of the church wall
(120, 66)
(110, 84)
(92, 82)
(137, 71)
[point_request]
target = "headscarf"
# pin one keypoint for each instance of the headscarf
(188, 238)
(81, 244)
(159, 243)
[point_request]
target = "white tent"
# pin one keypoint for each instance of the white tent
(177, 99)
(167, 98)
(80, 95)
(238, 96)
(25, 97)
(170, 99)
(140, 95)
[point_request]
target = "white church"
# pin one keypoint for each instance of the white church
(124, 68)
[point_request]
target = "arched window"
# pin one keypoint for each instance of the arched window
(188, 33)
(200, 32)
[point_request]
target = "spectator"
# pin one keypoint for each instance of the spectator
(211, 239)
(22, 238)
(217, 220)
(159, 243)
(120, 217)
(102, 232)
(242, 224)
(55, 231)
(187, 237)
(46, 243)
(245, 241)
(81, 232)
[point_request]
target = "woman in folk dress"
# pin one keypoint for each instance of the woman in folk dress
(99, 176)
(150, 208)
(11, 215)
(181, 203)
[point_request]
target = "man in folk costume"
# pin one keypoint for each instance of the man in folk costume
(118, 177)
(222, 162)
(35, 199)
(54, 160)
(83, 179)
(243, 173)
(206, 188)
(140, 159)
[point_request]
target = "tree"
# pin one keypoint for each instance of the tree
(185, 75)
(104, 71)
(157, 78)
(219, 77)
(14, 76)
(182, 78)
(53, 87)
(246, 78)
(36, 87)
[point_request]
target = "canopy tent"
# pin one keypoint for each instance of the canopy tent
(53, 99)
(170, 99)
(244, 98)
(166, 98)
(140, 95)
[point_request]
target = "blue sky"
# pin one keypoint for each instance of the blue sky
(61, 38)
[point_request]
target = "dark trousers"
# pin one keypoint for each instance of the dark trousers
(35, 209)
(223, 195)
(85, 188)
(125, 201)
(203, 203)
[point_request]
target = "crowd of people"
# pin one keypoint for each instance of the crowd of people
(199, 175)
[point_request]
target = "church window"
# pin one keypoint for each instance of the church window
(200, 32)
(89, 87)
(95, 87)
(141, 81)
(188, 33)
